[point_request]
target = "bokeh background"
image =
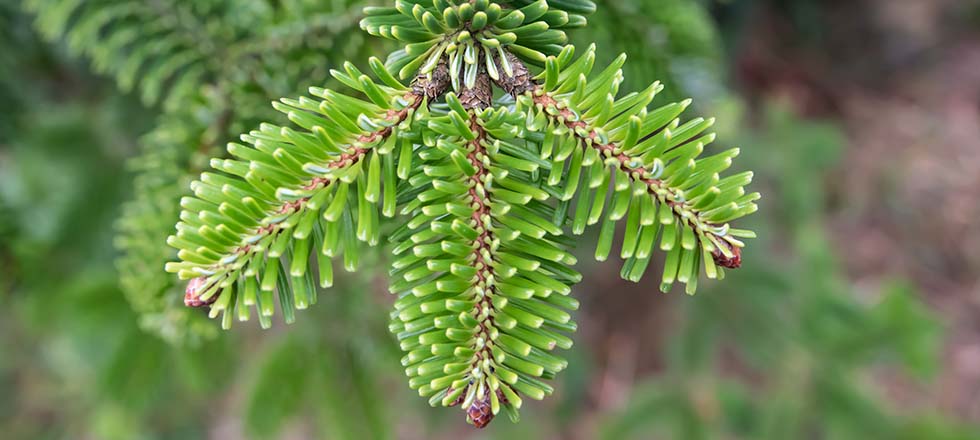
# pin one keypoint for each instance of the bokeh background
(855, 316)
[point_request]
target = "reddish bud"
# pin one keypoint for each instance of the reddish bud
(480, 413)
(733, 262)
(192, 295)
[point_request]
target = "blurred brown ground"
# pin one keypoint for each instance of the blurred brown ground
(902, 78)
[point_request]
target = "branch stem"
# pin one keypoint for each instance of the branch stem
(479, 409)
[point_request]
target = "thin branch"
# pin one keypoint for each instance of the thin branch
(656, 187)
(522, 83)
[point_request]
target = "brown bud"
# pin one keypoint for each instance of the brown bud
(481, 95)
(435, 84)
(733, 262)
(521, 82)
(192, 295)
(480, 413)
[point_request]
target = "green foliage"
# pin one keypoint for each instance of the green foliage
(75, 363)
(331, 384)
(216, 63)
(162, 45)
(161, 178)
(482, 269)
(286, 182)
(168, 49)
(65, 326)
(647, 161)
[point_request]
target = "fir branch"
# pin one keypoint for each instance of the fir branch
(482, 269)
(159, 44)
(477, 322)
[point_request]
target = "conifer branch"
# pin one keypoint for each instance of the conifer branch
(589, 137)
(478, 405)
(482, 268)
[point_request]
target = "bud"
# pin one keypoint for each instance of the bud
(192, 295)
(480, 413)
(480, 95)
(433, 85)
(733, 262)
(520, 82)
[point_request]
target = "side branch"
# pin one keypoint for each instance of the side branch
(354, 154)
(522, 83)
(589, 137)
(351, 157)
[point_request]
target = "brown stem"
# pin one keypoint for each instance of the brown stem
(479, 411)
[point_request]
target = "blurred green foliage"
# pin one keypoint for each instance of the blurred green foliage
(787, 348)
